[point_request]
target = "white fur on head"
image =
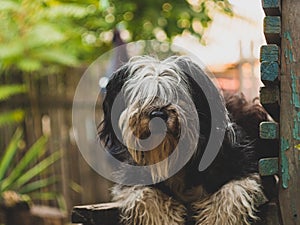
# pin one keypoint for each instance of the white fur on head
(153, 82)
(150, 78)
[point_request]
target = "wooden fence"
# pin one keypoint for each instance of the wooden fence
(48, 106)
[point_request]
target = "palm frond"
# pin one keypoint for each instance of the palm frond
(11, 117)
(7, 91)
(36, 170)
(36, 151)
(9, 154)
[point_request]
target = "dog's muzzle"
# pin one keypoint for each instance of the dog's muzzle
(151, 134)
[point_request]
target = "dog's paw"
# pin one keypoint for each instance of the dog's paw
(234, 204)
(149, 206)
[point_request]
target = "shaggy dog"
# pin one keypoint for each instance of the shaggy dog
(227, 192)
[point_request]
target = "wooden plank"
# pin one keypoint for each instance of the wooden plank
(272, 7)
(270, 53)
(100, 214)
(269, 98)
(268, 130)
(269, 94)
(269, 71)
(22, 214)
(273, 110)
(272, 29)
(289, 195)
(269, 215)
(108, 214)
(268, 166)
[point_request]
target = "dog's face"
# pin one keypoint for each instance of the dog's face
(158, 112)
(162, 107)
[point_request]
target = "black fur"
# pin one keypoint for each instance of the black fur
(235, 160)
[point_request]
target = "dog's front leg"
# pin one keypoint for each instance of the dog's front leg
(148, 206)
(233, 204)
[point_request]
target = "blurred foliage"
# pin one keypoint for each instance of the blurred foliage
(11, 116)
(20, 181)
(46, 35)
(21, 168)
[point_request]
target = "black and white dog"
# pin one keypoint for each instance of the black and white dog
(226, 193)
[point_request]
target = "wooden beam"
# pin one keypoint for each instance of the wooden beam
(272, 7)
(289, 194)
(269, 98)
(269, 94)
(268, 130)
(272, 29)
(269, 214)
(100, 214)
(269, 71)
(270, 53)
(108, 214)
(268, 166)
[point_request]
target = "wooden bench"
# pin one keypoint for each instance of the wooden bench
(108, 214)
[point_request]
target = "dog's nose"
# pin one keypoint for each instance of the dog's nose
(160, 114)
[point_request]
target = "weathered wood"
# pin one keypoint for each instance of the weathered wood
(268, 130)
(108, 214)
(100, 214)
(270, 53)
(272, 29)
(272, 7)
(269, 214)
(22, 214)
(269, 98)
(273, 110)
(269, 71)
(269, 94)
(289, 195)
(268, 166)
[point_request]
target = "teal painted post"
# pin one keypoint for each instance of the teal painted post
(289, 188)
(272, 7)
(272, 29)
(268, 166)
(269, 53)
(268, 130)
(269, 71)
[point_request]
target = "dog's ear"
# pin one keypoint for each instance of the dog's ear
(107, 130)
(215, 126)
(203, 92)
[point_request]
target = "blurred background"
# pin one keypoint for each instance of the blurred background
(45, 48)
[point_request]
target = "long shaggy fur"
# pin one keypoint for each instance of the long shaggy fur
(227, 192)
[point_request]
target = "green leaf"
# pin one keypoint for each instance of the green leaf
(44, 34)
(67, 10)
(10, 153)
(36, 170)
(11, 117)
(36, 151)
(104, 4)
(29, 65)
(57, 56)
(7, 91)
(36, 185)
(61, 202)
(44, 196)
(11, 50)
(7, 5)
(76, 187)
